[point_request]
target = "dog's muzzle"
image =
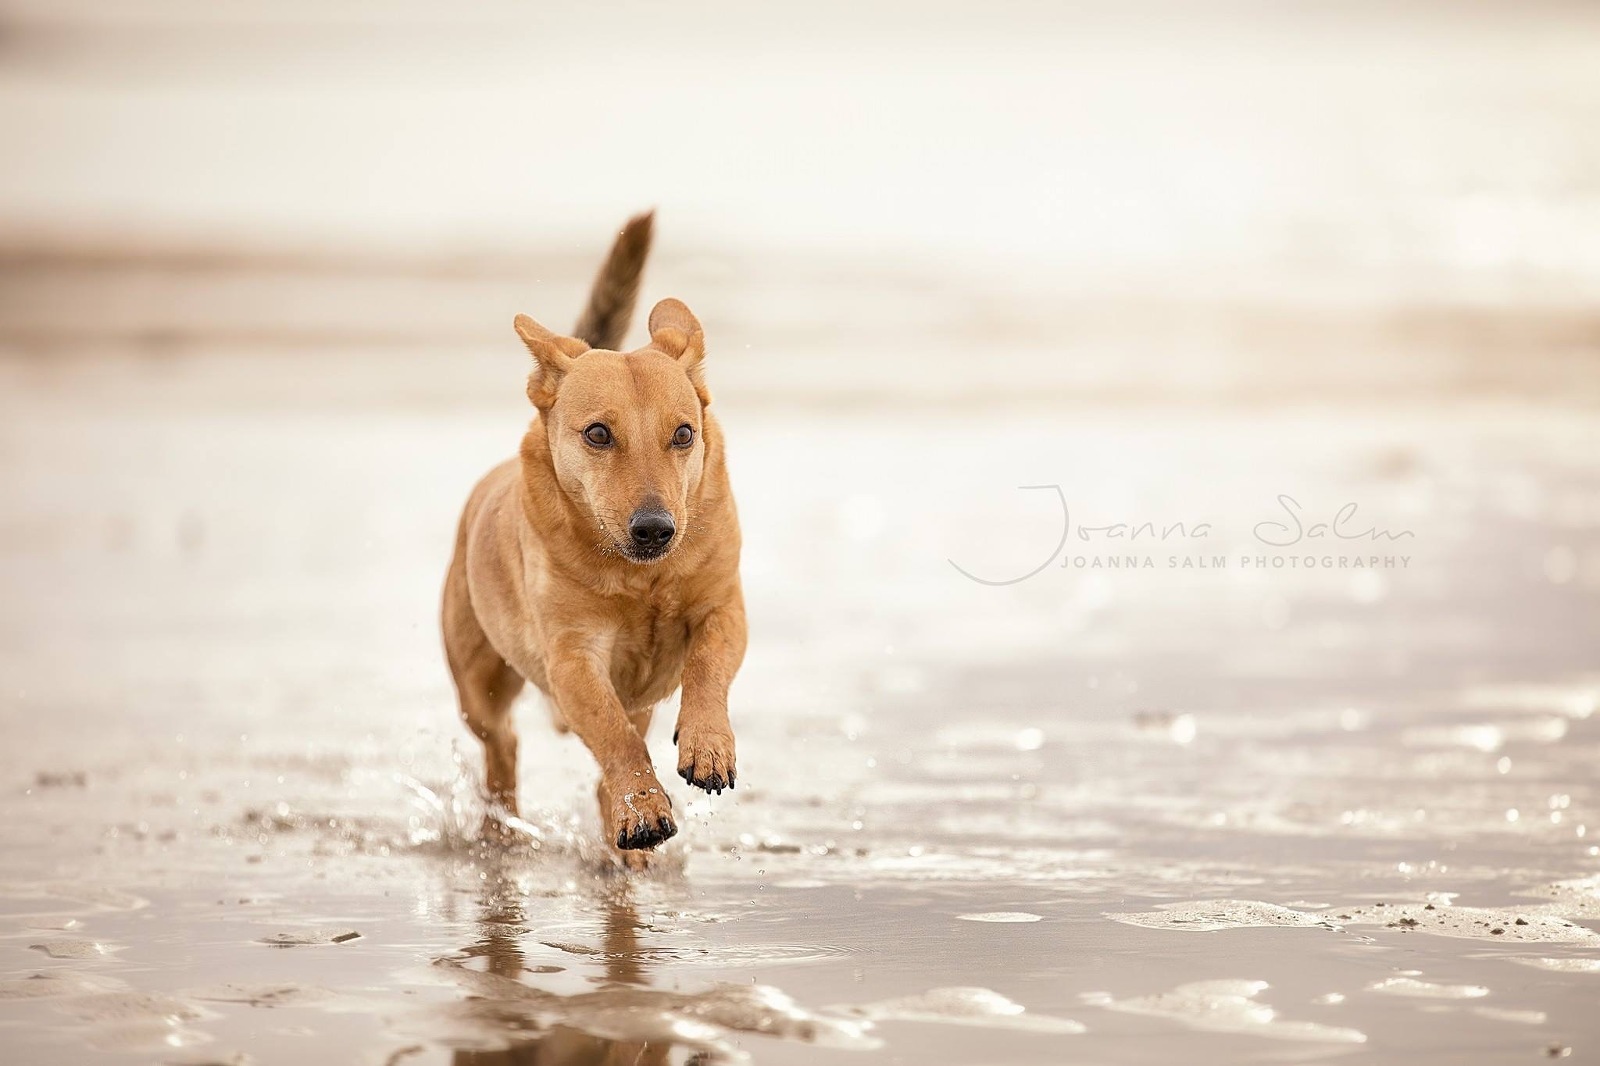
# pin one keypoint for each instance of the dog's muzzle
(650, 532)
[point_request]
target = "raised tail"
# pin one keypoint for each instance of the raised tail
(604, 322)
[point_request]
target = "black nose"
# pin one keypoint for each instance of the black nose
(652, 529)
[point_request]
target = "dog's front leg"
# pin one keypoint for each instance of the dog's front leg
(634, 803)
(704, 735)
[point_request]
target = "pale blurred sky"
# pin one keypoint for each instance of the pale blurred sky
(1457, 142)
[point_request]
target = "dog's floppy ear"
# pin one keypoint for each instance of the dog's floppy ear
(553, 355)
(675, 331)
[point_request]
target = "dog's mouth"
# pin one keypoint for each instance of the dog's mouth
(635, 553)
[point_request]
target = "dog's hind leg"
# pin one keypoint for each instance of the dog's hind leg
(486, 686)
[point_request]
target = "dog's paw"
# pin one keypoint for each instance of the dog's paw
(705, 757)
(642, 818)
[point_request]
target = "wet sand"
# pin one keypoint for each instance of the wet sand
(1251, 802)
(1235, 812)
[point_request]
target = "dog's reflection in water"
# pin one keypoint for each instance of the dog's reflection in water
(500, 945)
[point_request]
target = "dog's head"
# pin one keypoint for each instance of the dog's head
(625, 428)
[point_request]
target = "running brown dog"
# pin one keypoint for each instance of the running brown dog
(602, 564)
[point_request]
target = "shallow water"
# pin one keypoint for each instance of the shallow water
(1235, 813)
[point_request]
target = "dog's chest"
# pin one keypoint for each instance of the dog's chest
(647, 655)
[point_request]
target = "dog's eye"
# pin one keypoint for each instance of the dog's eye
(683, 437)
(599, 435)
